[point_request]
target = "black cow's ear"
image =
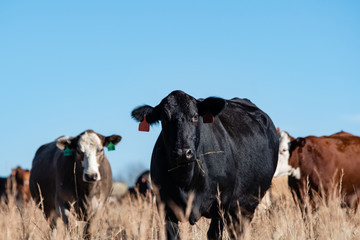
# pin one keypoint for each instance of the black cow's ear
(115, 139)
(62, 142)
(210, 107)
(152, 114)
(298, 142)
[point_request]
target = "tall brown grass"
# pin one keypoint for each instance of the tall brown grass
(139, 219)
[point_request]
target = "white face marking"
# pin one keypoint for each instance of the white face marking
(89, 144)
(283, 168)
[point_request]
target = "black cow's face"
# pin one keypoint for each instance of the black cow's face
(181, 118)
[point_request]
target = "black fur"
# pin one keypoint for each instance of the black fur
(235, 157)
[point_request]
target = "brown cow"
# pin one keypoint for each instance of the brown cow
(21, 178)
(17, 185)
(325, 161)
(72, 171)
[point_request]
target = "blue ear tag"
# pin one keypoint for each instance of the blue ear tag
(110, 146)
(67, 151)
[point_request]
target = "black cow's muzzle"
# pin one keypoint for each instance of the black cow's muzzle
(183, 157)
(185, 154)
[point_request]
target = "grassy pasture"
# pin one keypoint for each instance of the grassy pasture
(139, 219)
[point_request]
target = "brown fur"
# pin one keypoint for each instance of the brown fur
(17, 185)
(328, 161)
(22, 178)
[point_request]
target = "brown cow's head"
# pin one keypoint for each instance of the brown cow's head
(87, 148)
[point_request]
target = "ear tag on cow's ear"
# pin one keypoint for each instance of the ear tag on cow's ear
(144, 125)
(67, 151)
(208, 118)
(110, 146)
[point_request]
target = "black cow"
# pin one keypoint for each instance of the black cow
(72, 171)
(142, 184)
(4, 188)
(224, 152)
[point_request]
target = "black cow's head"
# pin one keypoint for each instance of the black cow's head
(181, 117)
(87, 149)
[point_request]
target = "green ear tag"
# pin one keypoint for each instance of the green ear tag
(111, 146)
(67, 151)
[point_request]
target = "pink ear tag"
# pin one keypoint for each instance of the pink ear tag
(208, 118)
(144, 125)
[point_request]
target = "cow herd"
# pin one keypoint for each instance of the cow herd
(214, 158)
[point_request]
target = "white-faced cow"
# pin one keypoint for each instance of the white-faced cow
(279, 189)
(283, 168)
(222, 152)
(72, 171)
(326, 162)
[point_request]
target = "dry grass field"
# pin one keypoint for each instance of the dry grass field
(139, 219)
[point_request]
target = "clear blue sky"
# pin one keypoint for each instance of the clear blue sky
(68, 66)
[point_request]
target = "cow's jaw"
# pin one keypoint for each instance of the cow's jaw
(89, 143)
(283, 167)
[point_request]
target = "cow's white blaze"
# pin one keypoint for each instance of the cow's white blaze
(283, 168)
(89, 144)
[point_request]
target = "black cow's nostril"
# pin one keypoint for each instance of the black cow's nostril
(189, 153)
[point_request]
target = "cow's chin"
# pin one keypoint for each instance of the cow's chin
(183, 174)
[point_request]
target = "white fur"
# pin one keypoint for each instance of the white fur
(89, 144)
(283, 168)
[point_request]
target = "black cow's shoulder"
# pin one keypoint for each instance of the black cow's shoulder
(251, 110)
(244, 103)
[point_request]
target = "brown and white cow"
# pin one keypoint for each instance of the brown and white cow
(72, 171)
(279, 190)
(324, 162)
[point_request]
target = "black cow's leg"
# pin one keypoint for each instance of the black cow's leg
(87, 231)
(237, 224)
(88, 218)
(172, 228)
(63, 210)
(216, 228)
(52, 217)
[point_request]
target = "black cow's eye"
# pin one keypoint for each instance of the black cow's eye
(195, 119)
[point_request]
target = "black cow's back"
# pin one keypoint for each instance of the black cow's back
(43, 174)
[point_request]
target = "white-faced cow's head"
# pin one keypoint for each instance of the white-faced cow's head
(283, 167)
(87, 149)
